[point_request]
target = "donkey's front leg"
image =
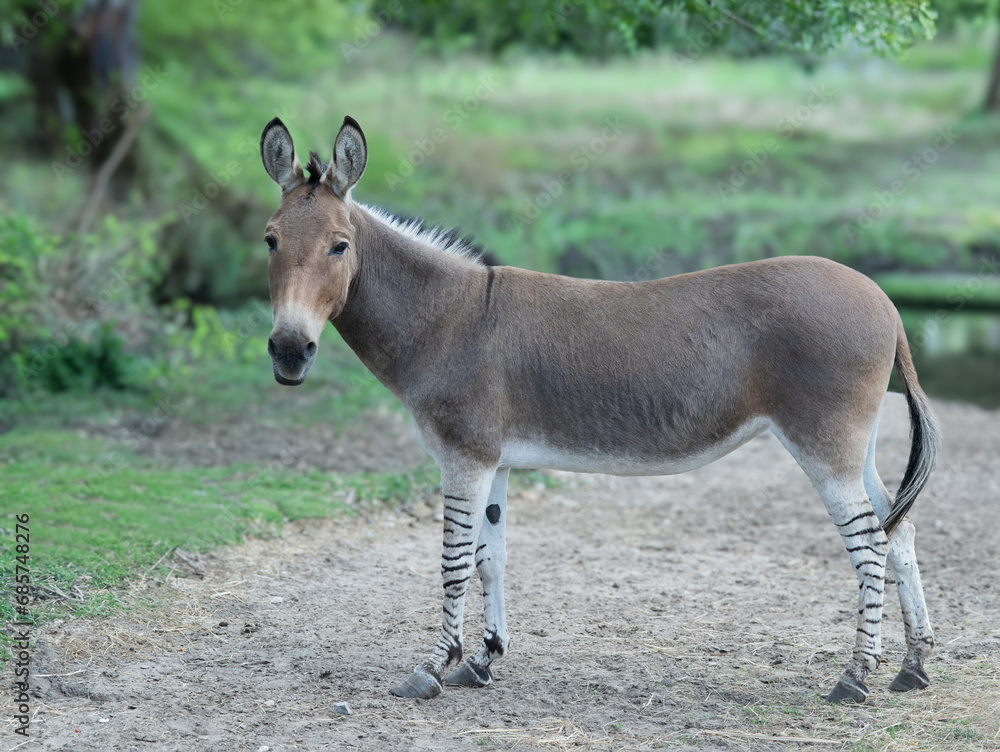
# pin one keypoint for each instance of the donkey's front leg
(491, 560)
(466, 488)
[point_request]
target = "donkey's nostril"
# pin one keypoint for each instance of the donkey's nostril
(310, 349)
(270, 347)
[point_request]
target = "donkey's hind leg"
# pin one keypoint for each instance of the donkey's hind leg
(837, 476)
(491, 560)
(902, 561)
(919, 637)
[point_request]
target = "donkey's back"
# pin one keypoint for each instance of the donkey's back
(659, 377)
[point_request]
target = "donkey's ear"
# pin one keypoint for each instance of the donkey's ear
(350, 155)
(278, 153)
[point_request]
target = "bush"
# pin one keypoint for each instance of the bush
(74, 314)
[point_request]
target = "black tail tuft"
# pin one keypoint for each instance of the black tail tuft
(924, 440)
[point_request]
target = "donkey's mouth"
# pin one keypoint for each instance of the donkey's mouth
(301, 371)
(290, 362)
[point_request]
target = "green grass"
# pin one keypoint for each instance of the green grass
(96, 526)
(101, 513)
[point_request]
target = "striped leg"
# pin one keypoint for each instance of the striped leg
(919, 636)
(466, 489)
(867, 545)
(902, 561)
(491, 559)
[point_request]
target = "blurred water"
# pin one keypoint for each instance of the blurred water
(957, 353)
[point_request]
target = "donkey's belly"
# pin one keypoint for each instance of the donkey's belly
(539, 453)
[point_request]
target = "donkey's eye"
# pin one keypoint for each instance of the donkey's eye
(272, 244)
(338, 250)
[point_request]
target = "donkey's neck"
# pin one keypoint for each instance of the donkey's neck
(403, 293)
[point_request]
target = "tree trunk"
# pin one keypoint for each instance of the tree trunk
(992, 103)
(81, 70)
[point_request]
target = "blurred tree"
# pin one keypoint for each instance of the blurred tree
(748, 27)
(78, 58)
(952, 13)
(81, 58)
(992, 101)
(79, 77)
(603, 27)
(247, 36)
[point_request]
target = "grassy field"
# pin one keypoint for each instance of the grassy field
(624, 170)
(103, 510)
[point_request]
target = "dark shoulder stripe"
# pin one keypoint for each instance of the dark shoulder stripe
(489, 285)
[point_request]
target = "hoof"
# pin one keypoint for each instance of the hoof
(848, 690)
(418, 685)
(910, 678)
(468, 675)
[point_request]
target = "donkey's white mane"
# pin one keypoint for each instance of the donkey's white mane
(450, 242)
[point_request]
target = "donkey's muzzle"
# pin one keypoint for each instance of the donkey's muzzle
(291, 358)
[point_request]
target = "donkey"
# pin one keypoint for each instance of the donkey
(505, 368)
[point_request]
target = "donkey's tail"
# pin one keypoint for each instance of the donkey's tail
(925, 438)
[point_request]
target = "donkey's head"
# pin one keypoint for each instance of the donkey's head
(310, 238)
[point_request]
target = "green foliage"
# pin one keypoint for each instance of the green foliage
(213, 72)
(81, 364)
(953, 14)
(237, 37)
(603, 27)
(104, 511)
(23, 21)
(71, 309)
(24, 251)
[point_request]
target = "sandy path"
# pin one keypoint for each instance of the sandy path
(643, 611)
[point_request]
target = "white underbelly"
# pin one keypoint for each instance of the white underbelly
(523, 453)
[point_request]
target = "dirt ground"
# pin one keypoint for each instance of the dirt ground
(645, 613)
